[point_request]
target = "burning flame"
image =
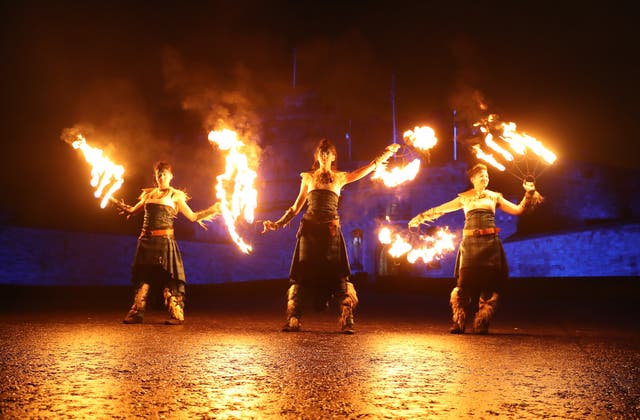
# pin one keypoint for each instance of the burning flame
(518, 142)
(489, 141)
(106, 176)
(398, 246)
(512, 136)
(397, 175)
(234, 188)
(488, 157)
(422, 138)
(424, 247)
(434, 247)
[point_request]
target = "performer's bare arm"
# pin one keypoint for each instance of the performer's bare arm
(291, 211)
(517, 209)
(367, 169)
(136, 208)
(200, 216)
(435, 212)
(125, 209)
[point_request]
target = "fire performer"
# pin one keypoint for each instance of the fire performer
(157, 258)
(320, 268)
(481, 267)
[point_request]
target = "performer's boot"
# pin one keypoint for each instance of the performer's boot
(347, 306)
(293, 309)
(175, 306)
(135, 314)
(459, 303)
(486, 309)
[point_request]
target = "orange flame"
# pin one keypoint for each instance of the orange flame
(398, 246)
(489, 141)
(234, 188)
(517, 142)
(422, 138)
(106, 176)
(426, 248)
(513, 137)
(434, 247)
(397, 175)
(487, 157)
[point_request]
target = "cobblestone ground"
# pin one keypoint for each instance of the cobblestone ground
(232, 361)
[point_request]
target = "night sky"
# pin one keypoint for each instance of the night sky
(148, 80)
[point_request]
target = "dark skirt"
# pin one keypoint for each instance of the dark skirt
(484, 251)
(320, 257)
(157, 254)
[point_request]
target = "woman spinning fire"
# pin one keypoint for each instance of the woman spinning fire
(320, 267)
(157, 259)
(481, 266)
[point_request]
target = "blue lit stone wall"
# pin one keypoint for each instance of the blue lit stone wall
(610, 250)
(48, 257)
(576, 197)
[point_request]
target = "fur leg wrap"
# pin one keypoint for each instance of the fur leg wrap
(348, 304)
(293, 309)
(351, 297)
(175, 306)
(459, 306)
(293, 301)
(134, 316)
(486, 310)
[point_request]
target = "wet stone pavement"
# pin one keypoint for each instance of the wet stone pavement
(570, 359)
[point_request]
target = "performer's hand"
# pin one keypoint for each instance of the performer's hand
(216, 209)
(122, 208)
(202, 224)
(127, 215)
(388, 152)
(529, 186)
(393, 147)
(532, 198)
(268, 225)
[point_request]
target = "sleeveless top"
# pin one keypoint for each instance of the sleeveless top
(487, 200)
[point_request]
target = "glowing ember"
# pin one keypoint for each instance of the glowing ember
(417, 246)
(422, 138)
(106, 176)
(235, 187)
(397, 175)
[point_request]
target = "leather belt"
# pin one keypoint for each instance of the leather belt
(480, 232)
(158, 232)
